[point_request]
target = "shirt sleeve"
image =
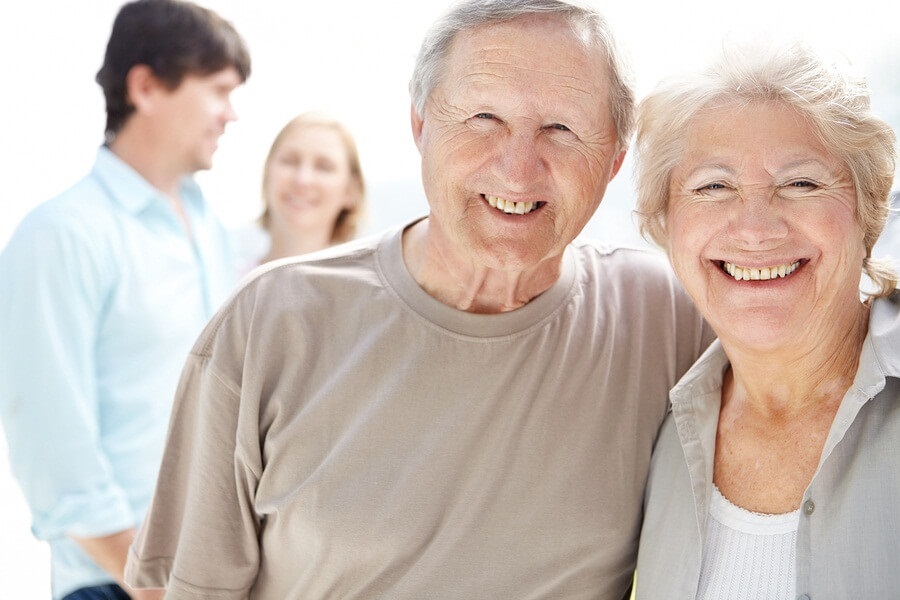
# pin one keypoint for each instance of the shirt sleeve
(200, 537)
(53, 288)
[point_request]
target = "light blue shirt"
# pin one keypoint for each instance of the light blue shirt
(102, 294)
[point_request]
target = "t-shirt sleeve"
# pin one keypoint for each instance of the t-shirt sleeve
(199, 539)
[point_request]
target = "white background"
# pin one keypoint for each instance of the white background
(352, 59)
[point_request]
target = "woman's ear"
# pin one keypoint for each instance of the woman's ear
(354, 194)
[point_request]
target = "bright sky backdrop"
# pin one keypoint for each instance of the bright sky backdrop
(353, 59)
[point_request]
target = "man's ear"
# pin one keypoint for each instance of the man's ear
(141, 84)
(617, 164)
(417, 121)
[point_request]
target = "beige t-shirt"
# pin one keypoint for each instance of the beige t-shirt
(338, 433)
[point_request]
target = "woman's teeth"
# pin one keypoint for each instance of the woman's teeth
(511, 208)
(760, 274)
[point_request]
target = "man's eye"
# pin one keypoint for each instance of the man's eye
(560, 127)
(484, 115)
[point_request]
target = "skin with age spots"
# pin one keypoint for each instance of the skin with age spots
(769, 158)
(515, 122)
(757, 190)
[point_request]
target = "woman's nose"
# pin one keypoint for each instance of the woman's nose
(757, 218)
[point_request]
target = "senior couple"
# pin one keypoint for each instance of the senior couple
(476, 404)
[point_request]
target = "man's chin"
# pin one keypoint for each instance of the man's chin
(202, 165)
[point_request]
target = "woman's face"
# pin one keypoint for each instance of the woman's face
(308, 182)
(762, 227)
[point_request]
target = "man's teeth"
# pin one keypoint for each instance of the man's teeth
(511, 208)
(760, 274)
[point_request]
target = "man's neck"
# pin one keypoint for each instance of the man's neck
(150, 160)
(153, 164)
(470, 287)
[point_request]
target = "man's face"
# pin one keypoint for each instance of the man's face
(194, 116)
(517, 143)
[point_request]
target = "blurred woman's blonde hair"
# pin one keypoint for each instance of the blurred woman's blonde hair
(348, 221)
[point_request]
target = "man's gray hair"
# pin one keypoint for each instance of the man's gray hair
(589, 23)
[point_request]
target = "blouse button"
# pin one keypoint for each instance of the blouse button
(808, 507)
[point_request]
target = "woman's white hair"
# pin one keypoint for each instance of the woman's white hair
(821, 88)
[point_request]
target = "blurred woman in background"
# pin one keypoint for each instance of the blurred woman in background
(313, 189)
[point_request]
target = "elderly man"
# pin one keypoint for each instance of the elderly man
(463, 407)
(105, 288)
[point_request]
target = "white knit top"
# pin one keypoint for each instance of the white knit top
(747, 555)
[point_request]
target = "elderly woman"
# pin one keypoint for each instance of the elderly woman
(777, 474)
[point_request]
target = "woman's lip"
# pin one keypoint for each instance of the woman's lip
(761, 273)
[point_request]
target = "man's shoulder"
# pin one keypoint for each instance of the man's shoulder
(639, 279)
(79, 211)
(618, 251)
(304, 287)
(338, 265)
(610, 260)
(355, 253)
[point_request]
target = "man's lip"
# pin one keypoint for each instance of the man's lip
(778, 269)
(511, 207)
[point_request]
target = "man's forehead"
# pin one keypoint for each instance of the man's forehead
(529, 40)
(545, 48)
(544, 29)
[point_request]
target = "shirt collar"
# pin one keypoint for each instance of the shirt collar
(704, 377)
(129, 189)
(880, 356)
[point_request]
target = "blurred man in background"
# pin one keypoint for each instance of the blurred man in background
(106, 287)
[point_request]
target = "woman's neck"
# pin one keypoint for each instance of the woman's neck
(815, 370)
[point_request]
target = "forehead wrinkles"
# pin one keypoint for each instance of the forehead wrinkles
(528, 47)
(514, 77)
(513, 70)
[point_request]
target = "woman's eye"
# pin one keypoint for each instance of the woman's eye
(802, 183)
(715, 191)
(799, 188)
(484, 115)
(560, 127)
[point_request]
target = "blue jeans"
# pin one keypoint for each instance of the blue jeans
(100, 592)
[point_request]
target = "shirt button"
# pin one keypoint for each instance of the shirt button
(808, 507)
(803, 597)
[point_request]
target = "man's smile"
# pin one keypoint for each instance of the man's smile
(510, 207)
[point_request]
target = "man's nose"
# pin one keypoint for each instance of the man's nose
(520, 161)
